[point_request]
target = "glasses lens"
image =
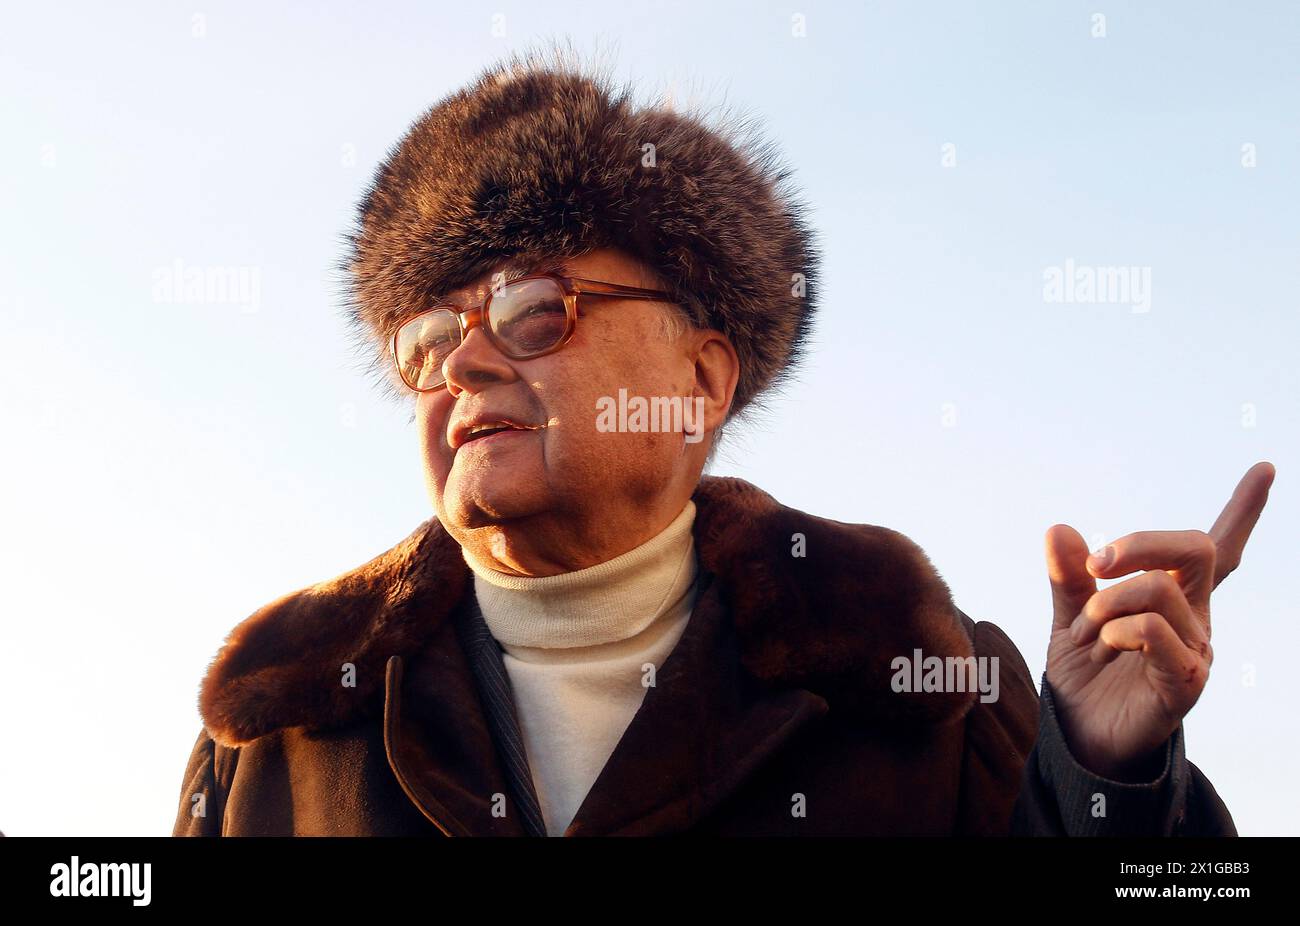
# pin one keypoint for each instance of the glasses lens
(529, 316)
(423, 344)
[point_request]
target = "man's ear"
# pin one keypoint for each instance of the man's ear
(717, 371)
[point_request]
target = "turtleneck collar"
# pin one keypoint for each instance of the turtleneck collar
(611, 601)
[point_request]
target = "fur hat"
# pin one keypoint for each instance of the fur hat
(542, 159)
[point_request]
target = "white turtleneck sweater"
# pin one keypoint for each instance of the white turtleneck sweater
(574, 646)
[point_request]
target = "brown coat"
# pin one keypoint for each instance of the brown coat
(774, 714)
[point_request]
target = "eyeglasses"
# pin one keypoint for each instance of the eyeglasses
(529, 317)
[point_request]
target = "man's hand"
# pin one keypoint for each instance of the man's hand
(1128, 662)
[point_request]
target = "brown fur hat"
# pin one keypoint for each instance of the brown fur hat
(541, 158)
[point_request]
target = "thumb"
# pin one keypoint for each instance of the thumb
(1072, 584)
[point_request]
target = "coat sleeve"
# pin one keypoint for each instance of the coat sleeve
(1019, 778)
(1059, 797)
(203, 789)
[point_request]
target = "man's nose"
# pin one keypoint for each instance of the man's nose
(475, 362)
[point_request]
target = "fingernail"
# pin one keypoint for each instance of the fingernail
(1101, 558)
(1076, 629)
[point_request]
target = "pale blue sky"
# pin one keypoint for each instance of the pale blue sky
(172, 466)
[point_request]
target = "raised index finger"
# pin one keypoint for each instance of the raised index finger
(1232, 528)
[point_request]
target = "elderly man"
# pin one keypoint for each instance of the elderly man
(591, 637)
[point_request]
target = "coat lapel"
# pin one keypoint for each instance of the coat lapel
(439, 742)
(776, 640)
(698, 734)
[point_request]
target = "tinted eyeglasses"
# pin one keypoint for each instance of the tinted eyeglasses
(529, 317)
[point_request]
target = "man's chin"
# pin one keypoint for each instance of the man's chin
(481, 499)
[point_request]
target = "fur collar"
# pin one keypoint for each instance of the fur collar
(830, 621)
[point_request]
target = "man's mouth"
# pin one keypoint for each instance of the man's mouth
(488, 428)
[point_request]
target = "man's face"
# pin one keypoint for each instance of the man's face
(568, 471)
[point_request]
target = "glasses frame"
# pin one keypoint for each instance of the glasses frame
(480, 316)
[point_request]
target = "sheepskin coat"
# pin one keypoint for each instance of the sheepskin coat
(350, 708)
